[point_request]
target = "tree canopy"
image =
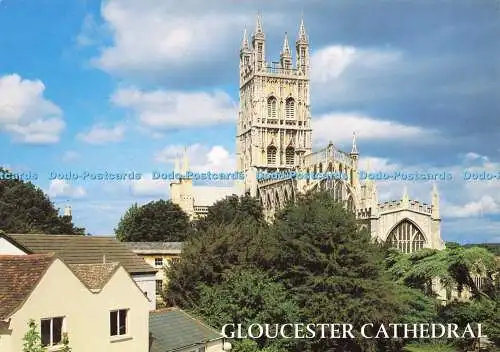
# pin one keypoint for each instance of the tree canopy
(155, 221)
(24, 208)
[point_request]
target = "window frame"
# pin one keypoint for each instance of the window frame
(158, 282)
(51, 331)
(159, 259)
(118, 326)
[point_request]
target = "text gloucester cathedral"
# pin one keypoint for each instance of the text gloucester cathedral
(274, 135)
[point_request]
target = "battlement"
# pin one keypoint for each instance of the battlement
(329, 153)
(411, 205)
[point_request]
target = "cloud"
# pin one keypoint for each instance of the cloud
(99, 134)
(156, 36)
(62, 189)
(170, 109)
(25, 114)
(201, 158)
(339, 127)
(486, 205)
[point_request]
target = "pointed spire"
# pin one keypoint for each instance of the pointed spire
(354, 150)
(435, 202)
(185, 162)
(258, 24)
(244, 42)
(286, 47)
(302, 30)
(405, 199)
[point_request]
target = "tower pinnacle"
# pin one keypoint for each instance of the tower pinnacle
(244, 42)
(286, 47)
(302, 31)
(354, 150)
(258, 24)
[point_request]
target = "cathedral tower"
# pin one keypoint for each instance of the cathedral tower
(274, 121)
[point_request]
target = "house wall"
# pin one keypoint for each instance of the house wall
(60, 293)
(7, 248)
(167, 259)
(147, 284)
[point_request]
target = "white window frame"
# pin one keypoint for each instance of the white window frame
(63, 330)
(118, 323)
(159, 259)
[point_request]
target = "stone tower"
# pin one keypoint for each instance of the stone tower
(274, 121)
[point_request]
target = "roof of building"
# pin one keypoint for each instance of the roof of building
(172, 329)
(94, 276)
(155, 247)
(77, 249)
(19, 275)
(205, 196)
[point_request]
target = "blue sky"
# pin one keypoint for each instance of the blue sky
(125, 85)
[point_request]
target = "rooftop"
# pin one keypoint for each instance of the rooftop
(19, 275)
(173, 329)
(76, 249)
(94, 276)
(155, 246)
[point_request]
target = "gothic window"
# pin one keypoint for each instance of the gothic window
(337, 195)
(290, 108)
(350, 204)
(271, 107)
(277, 200)
(269, 202)
(271, 155)
(290, 156)
(406, 237)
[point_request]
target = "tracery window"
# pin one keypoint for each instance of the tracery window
(290, 108)
(406, 237)
(271, 155)
(290, 156)
(271, 107)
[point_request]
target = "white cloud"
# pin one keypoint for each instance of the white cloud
(100, 134)
(63, 189)
(25, 114)
(170, 109)
(156, 35)
(484, 206)
(201, 158)
(339, 128)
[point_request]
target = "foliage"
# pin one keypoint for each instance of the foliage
(247, 297)
(492, 247)
(153, 222)
(31, 340)
(454, 266)
(430, 347)
(232, 210)
(65, 342)
(24, 208)
(247, 345)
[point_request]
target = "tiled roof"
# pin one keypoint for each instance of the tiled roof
(154, 246)
(19, 275)
(76, 249)
(173, 329)
(94, 276)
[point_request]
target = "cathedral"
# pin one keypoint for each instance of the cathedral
(274, 145)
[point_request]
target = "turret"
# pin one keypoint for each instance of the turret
(302, 47)
(259, 45)
(435, 203)
(286, 54)
(245, 53)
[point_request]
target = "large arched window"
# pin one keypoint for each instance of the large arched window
(271, 107)
(290, 156)
(290, 108)
(271, 154)
(406, 237)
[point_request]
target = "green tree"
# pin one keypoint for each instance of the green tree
(24, 208)
(65, 342)
(153, 222)
(334, 270)
(232, 209)
(31, 340)
(248, 296)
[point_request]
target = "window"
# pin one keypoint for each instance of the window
(175, 260)
(201, 349)
(158, 262)
(159, 286)
(290, 108)
(271, 155)
(118, 322)
(406, 237)
(271, 107)
(51, 331)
